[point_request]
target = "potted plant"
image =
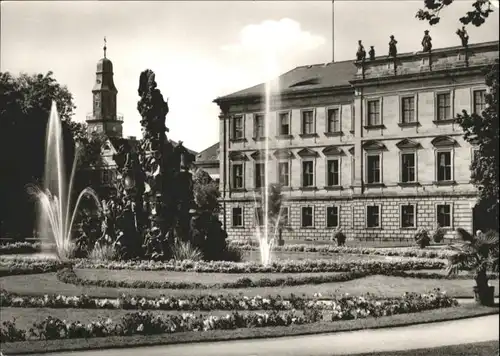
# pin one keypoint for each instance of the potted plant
(339, 237)
(478, 254)
(438, 234)
(422, 238)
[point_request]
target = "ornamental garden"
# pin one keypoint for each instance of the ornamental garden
(149, 262)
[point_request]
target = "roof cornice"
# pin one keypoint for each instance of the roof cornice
(298, 94)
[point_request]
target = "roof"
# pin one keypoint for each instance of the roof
(209, 154)
(116, 142)
(322, 76)
(310, 77)
(194, 153)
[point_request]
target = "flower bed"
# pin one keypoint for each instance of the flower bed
(285, 266)
(34, 247)
(18, 265)
(146, 323)
(13, 248)
(188, 302)
(401, 251)
(68, 275)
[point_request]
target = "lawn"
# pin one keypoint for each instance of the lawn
(172, 276)
(380, 285)
(488, 348)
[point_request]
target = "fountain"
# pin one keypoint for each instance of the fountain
(55, 215)
(267, 235)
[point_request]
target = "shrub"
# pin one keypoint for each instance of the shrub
(103, 252)
(183, 250)
(232, 254)
(422, 238)
(438, 234)
(340, 237)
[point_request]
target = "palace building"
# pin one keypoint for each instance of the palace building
(371, 147)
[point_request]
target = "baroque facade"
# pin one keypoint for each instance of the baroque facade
(369, 146)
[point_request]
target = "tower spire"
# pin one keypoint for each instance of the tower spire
(105, 48)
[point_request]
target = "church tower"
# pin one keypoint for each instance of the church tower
(104, 118)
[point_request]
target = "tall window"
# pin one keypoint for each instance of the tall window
(373, 169)
(237, 217)
(307, 216)
(443, 215)
(260, 174)
(308, 173)
(407, 216)
(333, 177)
(333, 120)
(408, 167)
(259, 126)
(444, 166)
(332, 216)
(284, 121)
(284, 173)
(373, 112)
(443, 106)
(408, 106)
(285, 216)
(308, 122)
(237, 127)
(373, 216)
(237, 176)
(479, 101)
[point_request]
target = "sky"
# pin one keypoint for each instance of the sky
(202, 50)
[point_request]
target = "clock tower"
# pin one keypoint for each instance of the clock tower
(104, 118)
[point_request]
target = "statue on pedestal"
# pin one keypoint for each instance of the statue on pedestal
(426, 42)
(371, 53)
(361, 53)
(464, 36)
(393, 50)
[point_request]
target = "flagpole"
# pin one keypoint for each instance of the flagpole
(333, 30)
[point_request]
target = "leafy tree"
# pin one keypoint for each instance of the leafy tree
(25, 103)
(481, 9)
(90, 149)
(206, 192)
(206, 229)
(481, 130)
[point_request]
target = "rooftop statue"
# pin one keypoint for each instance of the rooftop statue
(361, 53)
(464, 36)
(393, 50)
(426, 42)
(371, 53)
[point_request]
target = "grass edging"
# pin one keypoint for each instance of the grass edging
(425, 317)
(484, 348)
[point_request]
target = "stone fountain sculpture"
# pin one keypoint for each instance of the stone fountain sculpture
(153, 199)
(167, 191)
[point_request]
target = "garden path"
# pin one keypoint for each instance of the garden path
(412, 337)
